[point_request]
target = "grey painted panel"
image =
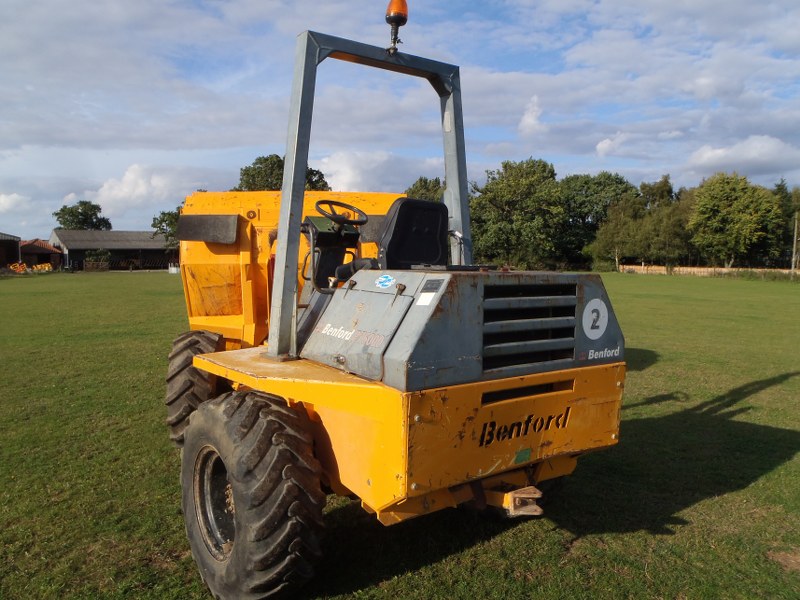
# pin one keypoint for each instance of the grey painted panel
(448, 347)
(528, 325)
(529, 369)
(442, 344)
(535, 302)
(360, 322)
(428, 328)
(598, 337)
(531, 346)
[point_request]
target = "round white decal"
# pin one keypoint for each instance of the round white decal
(595, 319)
(384, 281)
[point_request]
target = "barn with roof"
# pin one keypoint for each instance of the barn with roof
(38, 252)
(128, 249)
(9, 249)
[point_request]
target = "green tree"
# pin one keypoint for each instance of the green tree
(621, 236)
(517, 214)
(664, 237)
(781, 191)
(266, 173)
(82, 215)
(426, 189)
(664, 232)
(735, 221)
(586, 200)
(100, 255)
(166, 223)
(656, 194)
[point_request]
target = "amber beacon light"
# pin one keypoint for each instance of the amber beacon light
(396, 17)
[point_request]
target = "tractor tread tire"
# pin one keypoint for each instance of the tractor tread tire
(187, 387)
(267, 449)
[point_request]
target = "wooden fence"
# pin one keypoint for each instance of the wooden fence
(699, 271)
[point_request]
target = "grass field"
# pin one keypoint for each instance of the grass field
(701, 499)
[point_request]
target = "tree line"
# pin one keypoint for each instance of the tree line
(525, 217)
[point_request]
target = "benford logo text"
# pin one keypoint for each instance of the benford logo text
(491, 432)
(337, 332)
(605, 353)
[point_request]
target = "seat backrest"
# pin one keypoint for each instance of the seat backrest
(414, 233)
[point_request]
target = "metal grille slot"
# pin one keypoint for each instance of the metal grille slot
(527, 391)
(528, 326)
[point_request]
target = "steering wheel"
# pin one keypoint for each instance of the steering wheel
(339, 218)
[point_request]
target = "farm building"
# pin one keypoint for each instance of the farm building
(128, 249)
(38, 252)
(9, 249)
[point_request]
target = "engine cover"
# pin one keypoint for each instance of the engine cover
(416, 330)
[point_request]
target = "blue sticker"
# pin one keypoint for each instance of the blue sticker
(384, 281)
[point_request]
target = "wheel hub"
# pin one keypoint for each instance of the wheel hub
(215, 505)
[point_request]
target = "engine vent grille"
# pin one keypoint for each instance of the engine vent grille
(528, 327)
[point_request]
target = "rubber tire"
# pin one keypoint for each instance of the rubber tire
(188, 387)
(274, 480)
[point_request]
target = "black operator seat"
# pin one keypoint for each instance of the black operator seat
(414, 233)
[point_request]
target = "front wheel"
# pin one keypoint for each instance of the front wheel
(187, 387)
(252, 500)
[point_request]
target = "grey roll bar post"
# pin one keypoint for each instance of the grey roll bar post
(312, 49)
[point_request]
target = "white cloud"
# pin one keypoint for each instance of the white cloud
(710, 86)
(131, 200)
(12, 202)
(756, 155)
(670, 135)
(350, 171)
(530, 123)
(376, 171)
(139, 103)
(611, 145)
(139, 187)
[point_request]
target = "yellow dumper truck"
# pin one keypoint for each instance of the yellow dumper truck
(345, 343)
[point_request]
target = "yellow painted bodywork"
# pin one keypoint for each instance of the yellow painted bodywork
(228, 286)
(409, 453)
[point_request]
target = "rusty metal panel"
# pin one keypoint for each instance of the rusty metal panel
(455, 435)
(439, 343)
(360, 427)
(494, 325)
(359, 323)
(214, 289)
(598, 335)
(222, 281)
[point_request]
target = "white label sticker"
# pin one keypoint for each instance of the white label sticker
(384, 281)
(425, 298)
(595, 319)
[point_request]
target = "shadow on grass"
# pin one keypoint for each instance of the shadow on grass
(639, 359)
(360, 553)
(658, 399)
(662, 466)
(665, 464)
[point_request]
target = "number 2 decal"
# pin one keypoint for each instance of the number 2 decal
(595, 319)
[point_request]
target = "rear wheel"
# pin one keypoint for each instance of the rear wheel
(251, 496)
(188, 387)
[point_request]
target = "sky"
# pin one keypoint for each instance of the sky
(134, 105)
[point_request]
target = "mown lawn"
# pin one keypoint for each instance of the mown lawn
(701, 499)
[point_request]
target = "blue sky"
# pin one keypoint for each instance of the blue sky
(133, 105)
